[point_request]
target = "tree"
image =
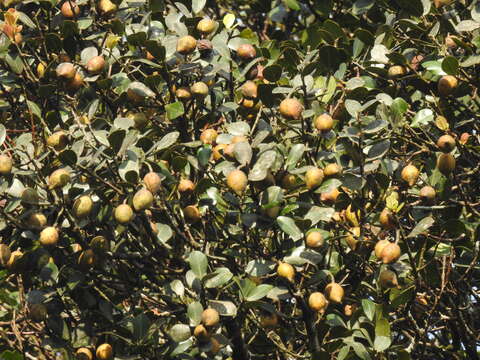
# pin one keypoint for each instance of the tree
(245, 180)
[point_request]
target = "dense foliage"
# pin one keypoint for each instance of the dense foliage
(267, 179)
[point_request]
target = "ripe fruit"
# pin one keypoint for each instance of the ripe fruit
(349, 309)
(317, 301)
(208, 136)
(37, 312)
(388, 279)
(183, 94)
(291, 109)
(36, 221)
(447, 84)
(186, 186)
(230, 147)
(206, 26)
(59, 178)
(66, 71)
(446, 143)
(330, 196)
(410, 174)
(289, 181)
(379, 247)
(313, 177)
(210, 317)
(86, 259)
(6, 164)
(5, 254)
(75, 83)
(201, 333)
(352, 236)
(199, 90)
(82, 207)
(237, 181)
(106, 7)
(70, 9)
(323, 122)
(286, 271)
(96, 64)
(123, 213)
(249, 90)
(186, 45)
(246, 52)
(387, 219)
(332, 170)
(217, 152)
(14, 262)
(152, 182)
(446, 163)
(269, 320)
(464, 138)
(143, 199)
(334, 292)
(427, 193)
(58, 140)
(84, 353)
(49, 236)
(396, 71)
(214, 346)
(390, 253)
(314, 239)
(104, 352)
(191, 213)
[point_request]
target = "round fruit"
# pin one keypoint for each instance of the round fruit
(5, 254)
(38, 312)
(49, 236)
(352, 237)
(58, 140)
(36, 221)
(388, 279)
(387, 219)
(286, 271)
(104, 352)
(123, 213)
(237, 181)
(199, 90)
(96, 64)
(323, 122)
(210, 317)
(59, 178)
(66, 71)
(14, 261)
(464, 138)
(191, 213)
(379, 247)
(446, 163)
(291, 109)
(334, 292)
(208, 136)
(206, 26)
(201, 333)
(186, 45)
(349, 309)
(446, 143)
(317, 301)
(427, 193)
(143, 199)
(214, 346)
(230, 147)
(82, 207)
(152, 182)
(70, 9)
(396, 71)
(330, 196)
(289, 181)
(84, 353)
(6, 164)
(86, 259)
(390, 253)
(186, 186)
(249, 90)
(107, 7)
(447, 84)
(75, 83)
(314, 239)
(217, 151)
(410, 174)
(246, 52)
(313, 177)
(183, 94)
(332, 170)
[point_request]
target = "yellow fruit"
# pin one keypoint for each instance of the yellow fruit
(427, 193)
(330, 196)
(291, 109)
(314, 239)
(6, 164)
(379, 247)
(313, 177)
(49, 236)
(106, 7)
(332, 170)
(183, 94)
(36, 221)
(446, 163)
(104, 352)
(143, 199)
(186, 45)
(317, 301)
(199, 90)
(58, 140)
(185, 186)
(96, 64)
(5, 254)
(86, 259)
(237, 181)
(249, 90)
(210, 317)
(152, 182)
(446, 143)
(246, 52)
(123, 213)
(388, 279)
(41, 70)
(334, 292)
(206, 26)
(201, 333)
(396, 71)
(217, 152)
(387, 219)
(349, 309)
(323, 122)
(82, 207)
(191, 213)
(269, 320)
(208, 136)
(390, 253)
(59, 178)
(84, 353)
(289, 181)
(352, 237)
(447, 84)
(75, 83)
(286, 271)
(37, 312)
(70, 9)
(14, 262)
(410, 174)
(464, 138)
(66, 70)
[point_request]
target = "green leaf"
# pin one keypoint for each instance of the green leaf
(229, 20)
(198, 263)
(422, 226)
(292, 4)
(167, 141)
(288, 226)
(272, 73)
(180, 332)
(259, 292)
(198, 5)
(194, 312)
(382, 335)
(218, 278)
(174, 110)
(295, 154)
(450, 65)
(34, 108)
(368, 307)
(423, 117)
(141, 324)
